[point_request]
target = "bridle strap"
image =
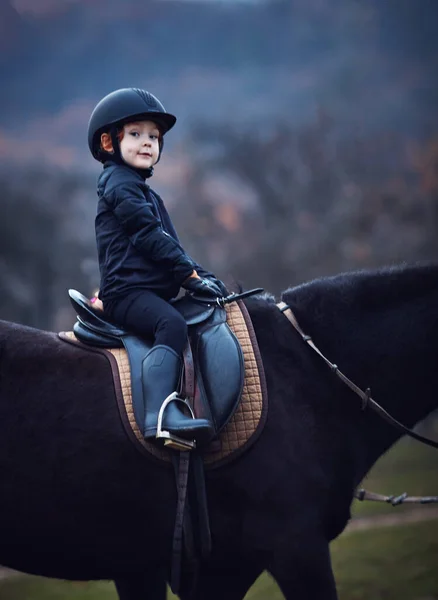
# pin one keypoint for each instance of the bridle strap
(362, 494)
(366, 398)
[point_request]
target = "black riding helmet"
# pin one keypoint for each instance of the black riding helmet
(123, 106)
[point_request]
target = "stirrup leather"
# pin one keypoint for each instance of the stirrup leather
(172, 440)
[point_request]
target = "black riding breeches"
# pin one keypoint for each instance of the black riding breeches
(147, 315)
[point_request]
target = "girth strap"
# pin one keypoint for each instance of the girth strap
(191, 535)
(181, 463)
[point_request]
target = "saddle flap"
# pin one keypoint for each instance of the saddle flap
(193, 312)
(220, 369)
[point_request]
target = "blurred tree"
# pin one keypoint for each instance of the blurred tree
(44, 244)
(308, 201)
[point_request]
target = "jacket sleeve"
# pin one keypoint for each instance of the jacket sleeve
(202, 272)
(135, 214)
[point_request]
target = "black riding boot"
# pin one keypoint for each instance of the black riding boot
(161, 373)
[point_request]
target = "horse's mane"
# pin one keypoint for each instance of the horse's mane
(349, 300)
(365, 289)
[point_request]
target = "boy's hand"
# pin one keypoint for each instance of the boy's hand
(221, 285)
(202, 287)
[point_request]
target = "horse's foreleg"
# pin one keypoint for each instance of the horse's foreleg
(304, 573)
(217, 582)
(150, 586)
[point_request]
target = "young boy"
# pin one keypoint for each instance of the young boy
(142, 264)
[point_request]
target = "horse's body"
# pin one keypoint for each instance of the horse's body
(79, 502)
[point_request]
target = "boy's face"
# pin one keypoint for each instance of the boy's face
(140, 144)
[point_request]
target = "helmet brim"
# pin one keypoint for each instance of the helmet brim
(165, 121)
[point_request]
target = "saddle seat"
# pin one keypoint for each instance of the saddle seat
(96, 328)
(213, 350)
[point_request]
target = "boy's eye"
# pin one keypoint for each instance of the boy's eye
(153, 136)
(134, 133)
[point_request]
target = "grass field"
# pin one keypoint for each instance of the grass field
(394, 563)
(397, 563)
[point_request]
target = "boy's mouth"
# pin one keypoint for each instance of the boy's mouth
(145, 154)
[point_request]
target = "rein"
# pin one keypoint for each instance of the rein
(367, 400)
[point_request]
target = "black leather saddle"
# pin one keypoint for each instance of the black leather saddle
(217, 356)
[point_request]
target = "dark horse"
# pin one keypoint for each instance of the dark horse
(78, 501)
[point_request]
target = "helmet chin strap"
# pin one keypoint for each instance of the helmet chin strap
(117, 157)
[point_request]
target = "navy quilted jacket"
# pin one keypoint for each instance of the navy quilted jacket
(136, 241)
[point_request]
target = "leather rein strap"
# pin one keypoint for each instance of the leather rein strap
(366, 398)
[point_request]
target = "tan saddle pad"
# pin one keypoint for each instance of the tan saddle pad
(246, 423)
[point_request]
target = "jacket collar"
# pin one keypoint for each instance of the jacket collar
(142, 173)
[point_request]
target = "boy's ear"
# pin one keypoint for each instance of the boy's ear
(106, 143)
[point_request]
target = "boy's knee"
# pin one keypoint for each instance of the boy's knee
(172, 331)
(179, 326)
(174, 324)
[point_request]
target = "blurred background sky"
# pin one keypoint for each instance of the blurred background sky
(306, 142)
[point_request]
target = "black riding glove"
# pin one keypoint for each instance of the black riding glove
(221, 285)
(203, 287)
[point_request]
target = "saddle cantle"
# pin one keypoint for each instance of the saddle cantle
(215, 350)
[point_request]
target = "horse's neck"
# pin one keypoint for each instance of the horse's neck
(390, 349)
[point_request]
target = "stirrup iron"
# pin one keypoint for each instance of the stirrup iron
(171, 440)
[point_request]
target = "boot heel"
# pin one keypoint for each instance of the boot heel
(171, 440)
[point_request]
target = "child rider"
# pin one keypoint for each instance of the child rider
(142, 264)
